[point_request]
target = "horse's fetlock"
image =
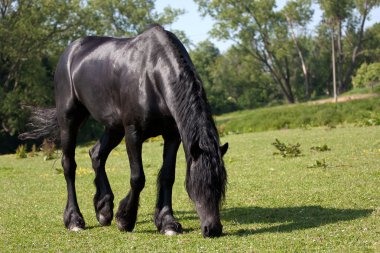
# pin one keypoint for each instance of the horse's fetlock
(138, 182)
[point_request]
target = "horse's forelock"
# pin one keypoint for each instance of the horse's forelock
(206, 180)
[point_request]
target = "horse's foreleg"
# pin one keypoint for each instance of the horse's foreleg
(72, 217)
(103, 199)
(127, 212)
(163, 217)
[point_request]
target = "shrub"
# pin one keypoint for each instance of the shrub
(48, 148)
(289, 150)
(21, 151)
(367, 75)
(319, 164)
(372, 120)
(33, 152)
(322, 148)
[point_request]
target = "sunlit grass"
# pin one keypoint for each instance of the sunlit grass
(273, 203)
(302, 115)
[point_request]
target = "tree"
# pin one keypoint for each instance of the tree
(261, 30)
(298, 14)
(238, 79)
(204, 58)
(354, 14)
(127, 18)
(34, 33)
(371, 44)
(232, 80)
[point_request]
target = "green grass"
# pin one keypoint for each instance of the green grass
(273, 203)
(299, 116)
(366, 90)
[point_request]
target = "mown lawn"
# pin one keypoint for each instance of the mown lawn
(273, 203)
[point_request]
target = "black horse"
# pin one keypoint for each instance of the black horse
(138, 88)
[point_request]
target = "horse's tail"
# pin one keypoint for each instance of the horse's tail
(43, 124)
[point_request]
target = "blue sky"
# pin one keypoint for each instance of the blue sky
(197, 27)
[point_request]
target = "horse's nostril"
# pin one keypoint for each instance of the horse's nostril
(206, 231)
(212, 231)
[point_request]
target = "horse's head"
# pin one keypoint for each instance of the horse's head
(206, 183)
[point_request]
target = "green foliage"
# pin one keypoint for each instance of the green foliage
(290, 150)
(372, 120)
(368, 75)
(48, 148)
(336, 9)
(319, 164)
(261, 33)
(233, 80)
(34, 151)
(33, 34)
(371, 45)
(21, 151)
(322, 148)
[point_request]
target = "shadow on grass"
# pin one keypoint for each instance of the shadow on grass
(290, 218)
(294, 218)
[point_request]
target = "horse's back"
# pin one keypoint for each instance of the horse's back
(113, 78)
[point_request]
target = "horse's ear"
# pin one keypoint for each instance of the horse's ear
(224, 148)
(195, 150)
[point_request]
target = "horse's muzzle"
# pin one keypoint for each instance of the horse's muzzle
(212, 229)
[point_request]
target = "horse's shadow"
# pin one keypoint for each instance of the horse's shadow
(284, 219)
(290, 218)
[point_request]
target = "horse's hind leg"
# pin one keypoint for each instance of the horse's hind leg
(163, 217)
(69, 125)
(103, 199)
(127, 213)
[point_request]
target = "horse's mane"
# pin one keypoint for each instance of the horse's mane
(198, 131)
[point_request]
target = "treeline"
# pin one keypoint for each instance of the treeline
(275, 57)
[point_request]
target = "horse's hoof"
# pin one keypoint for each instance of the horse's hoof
(75, 229)
(104, 209)
(103, 220)
(170, 232)
(123, 226)
(105, 217)
(73, 220)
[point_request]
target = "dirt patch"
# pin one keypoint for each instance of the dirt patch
(346, 98)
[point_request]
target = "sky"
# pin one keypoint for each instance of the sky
(197, 27)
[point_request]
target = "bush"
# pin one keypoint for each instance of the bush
(21, 151)
(290, 150)
(367, 75)
(33, 152)
(48, 148)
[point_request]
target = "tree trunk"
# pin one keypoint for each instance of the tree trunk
(357, 48)
(303, 64)
(333, 63)
(341, 87)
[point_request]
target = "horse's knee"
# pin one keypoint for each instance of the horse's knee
(69, 166)
(95, 157)
(138, 182)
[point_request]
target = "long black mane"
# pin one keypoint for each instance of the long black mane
(199, 133)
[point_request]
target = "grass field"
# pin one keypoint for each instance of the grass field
(321, 201)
